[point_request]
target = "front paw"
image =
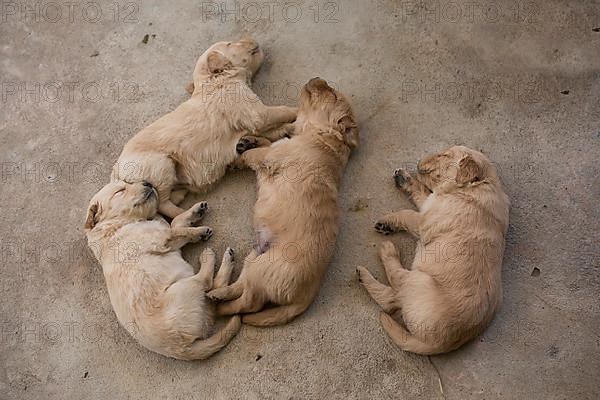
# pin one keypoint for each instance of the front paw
(199, 209)
(402, 178)
(384, 227)
(359, 273)
(246, 143)
(205, 233)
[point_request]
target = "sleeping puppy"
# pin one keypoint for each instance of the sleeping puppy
(155, 294)
(191, 147)
(296, 215)
(451, 292)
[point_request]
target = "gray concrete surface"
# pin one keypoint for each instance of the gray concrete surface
(518, 80)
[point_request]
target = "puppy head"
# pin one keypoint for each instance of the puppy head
(244, 56)
(457, 165)
(323, 106)
(124, 201)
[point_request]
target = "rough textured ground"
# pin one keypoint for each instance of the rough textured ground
(518, 80)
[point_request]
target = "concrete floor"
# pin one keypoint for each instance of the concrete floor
(518, 80)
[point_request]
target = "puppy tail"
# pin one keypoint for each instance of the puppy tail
(204, 348)
(404, 339)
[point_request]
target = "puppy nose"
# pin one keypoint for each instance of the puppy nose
(147, 184)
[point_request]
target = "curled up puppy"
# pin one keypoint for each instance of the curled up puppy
(154, 292)
(296, 219)
(191, 147)
(453, 289)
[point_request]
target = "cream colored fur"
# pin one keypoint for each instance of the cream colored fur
(153, 290)
(453, 289)
(191, 147)
(296, 216)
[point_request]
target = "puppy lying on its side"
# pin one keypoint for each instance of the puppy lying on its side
(453, 289)
(296, 213)
(191, 147)
(153, 290)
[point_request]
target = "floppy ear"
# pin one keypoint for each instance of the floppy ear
(349, 130)
(217, 63)
(90, 220)
(468, 170)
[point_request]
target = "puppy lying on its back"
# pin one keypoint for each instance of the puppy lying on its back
(153, 290)
(453, 289)
(296, 213)
(191, 147)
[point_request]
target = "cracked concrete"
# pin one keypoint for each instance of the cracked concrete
(518, 80)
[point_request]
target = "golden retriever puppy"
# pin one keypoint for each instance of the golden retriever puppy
(296, 213)
(453, 289)
(155, 294)
(191, 147)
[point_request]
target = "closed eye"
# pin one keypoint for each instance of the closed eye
(119, 192)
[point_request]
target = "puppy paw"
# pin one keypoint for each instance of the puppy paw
(199, 209)
(387, 250)
(361, 273)
(214, 295)
(246, 143)
(383, 227)
(287, 131)
(402, 179)
(228, 254)
(206, 233)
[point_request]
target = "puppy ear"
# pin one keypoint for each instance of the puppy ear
(349, 130)
(468, 170)
(90, 220)
(217, 63)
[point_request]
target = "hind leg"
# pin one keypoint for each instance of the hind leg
(383, 295)
(224, 274)
(207, 268)
(394, 270)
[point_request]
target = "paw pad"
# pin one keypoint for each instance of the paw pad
(201, 208)
(245, 144)
(400, 177)
(206, 235)
(384, 228)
